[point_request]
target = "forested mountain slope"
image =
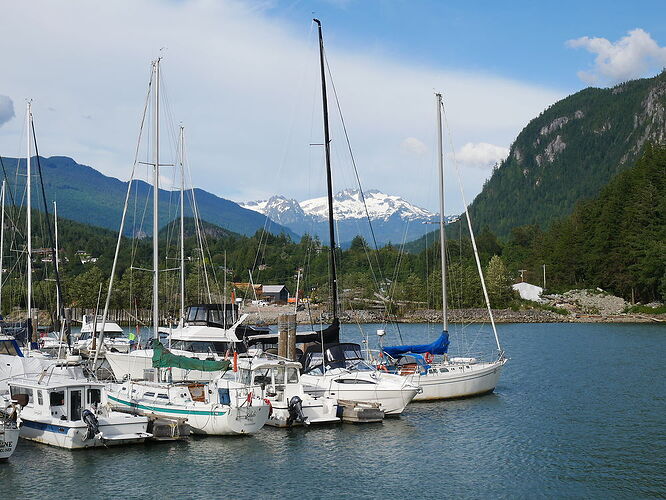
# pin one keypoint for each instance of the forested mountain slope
(570, 152)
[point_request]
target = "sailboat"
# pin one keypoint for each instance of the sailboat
(220, 407)
(445, 377)
(338, 370)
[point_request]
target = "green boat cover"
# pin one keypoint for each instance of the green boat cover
(163, 358)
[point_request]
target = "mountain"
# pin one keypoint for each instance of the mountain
(616, 241)
(86, 195)
(570, 152)
(394, 219)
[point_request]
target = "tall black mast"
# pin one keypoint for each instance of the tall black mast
(329, 179)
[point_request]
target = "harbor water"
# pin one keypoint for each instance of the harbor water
(580, 411)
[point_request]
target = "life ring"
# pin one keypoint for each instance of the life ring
(270, 407)
(429, 357)
(382, 368)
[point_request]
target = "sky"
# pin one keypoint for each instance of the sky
(242, 77)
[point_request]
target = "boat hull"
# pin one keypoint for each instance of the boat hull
(222, 420)
(71, 435)
(9, 436)
(463, 382)
(316, 413)
(392, 394)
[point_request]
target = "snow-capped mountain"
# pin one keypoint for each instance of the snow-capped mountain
(393, 218)
(348, 204)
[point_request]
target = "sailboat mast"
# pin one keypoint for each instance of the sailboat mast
(28, 120)
(442, 233)
(329, 178)
(156, 190)
(2, 239)
(57, 254)
(182, 225)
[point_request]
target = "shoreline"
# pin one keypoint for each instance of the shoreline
(268, 315)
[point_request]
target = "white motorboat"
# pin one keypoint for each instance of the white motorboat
(340, 371)
(9, 431)
(114, 337)
(72, 413)
(446, 378)
(278, 380)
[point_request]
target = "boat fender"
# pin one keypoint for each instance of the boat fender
(429, 357)
(91, 421)
(295, 408)
(250, 397)
(270, 407)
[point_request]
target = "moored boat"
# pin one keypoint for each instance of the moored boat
(72, 413)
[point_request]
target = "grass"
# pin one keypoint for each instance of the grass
(646, 309)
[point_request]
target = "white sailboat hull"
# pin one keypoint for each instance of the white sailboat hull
(460, 381)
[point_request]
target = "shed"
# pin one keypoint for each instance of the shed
(275, 293)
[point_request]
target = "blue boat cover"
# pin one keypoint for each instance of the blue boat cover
(439, 346)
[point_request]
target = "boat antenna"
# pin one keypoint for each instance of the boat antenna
(329, 179)
(442, 232)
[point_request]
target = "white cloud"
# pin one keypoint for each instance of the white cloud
(635, 55)
(6, 109)
(481, 154)
(245, 85)
(414, 146)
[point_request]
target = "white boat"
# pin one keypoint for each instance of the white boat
(221, 407)
(279, 383)
(114, 337)
(72, 413)
(444, 377)
(9, 431)
(340, 371)
(198, 338)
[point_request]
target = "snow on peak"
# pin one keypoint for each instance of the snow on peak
(349, 205)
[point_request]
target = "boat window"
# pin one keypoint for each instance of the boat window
(75, 404)
(163, 396)
(262, 377)
(278, 373)
(21, 391)
(292, 376)
(245, 376)
(57, 398)
(8, 347)
(95, 396)
(353, 381)
(40, 398)
(443, 370)
(148, 394)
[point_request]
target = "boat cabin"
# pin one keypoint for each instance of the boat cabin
(57, 400)
(341, 355)
(275, 377)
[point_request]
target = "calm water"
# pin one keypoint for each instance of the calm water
(580, 411)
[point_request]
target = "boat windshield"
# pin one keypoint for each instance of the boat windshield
(346, 356)
(221, 348)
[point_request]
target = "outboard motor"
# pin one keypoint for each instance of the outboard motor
(91, 421)
(295, 408)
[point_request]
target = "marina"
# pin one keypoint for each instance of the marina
(262, 275)
(558, 432)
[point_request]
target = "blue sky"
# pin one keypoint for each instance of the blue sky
(242, 76)
(517, 39)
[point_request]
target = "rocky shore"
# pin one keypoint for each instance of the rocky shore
(269, 314)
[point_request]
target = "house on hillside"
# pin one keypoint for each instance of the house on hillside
(276, 294)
